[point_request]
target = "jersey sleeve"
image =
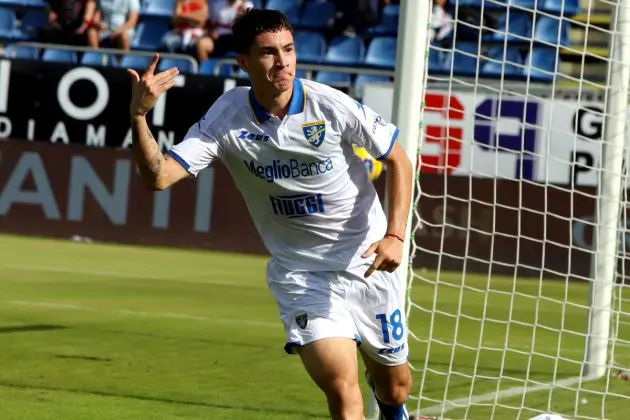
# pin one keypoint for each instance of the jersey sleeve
(202, 144)
(366, 128)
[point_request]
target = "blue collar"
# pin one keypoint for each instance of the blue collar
(296, 106)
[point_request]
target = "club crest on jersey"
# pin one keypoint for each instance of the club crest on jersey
(302, 320)
(315, 132)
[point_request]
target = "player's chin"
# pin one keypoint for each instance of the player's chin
(283, 83)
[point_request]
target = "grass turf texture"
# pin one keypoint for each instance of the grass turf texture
(116, 332)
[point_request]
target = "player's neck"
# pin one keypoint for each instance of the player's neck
(273, 102)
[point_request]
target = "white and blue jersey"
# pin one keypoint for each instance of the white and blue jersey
(307, 192)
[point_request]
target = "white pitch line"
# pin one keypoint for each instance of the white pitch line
(462, 403)
(105, 273)
(143, 314)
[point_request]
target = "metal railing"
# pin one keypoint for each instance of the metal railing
(112, 51)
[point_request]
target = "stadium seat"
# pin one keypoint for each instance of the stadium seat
(528, 4)
(334, 78)
(363, 79)
(513, 26)
(59, 56)
(23, 4)
(463, 59)
(137, 62)
(571, 7)
(310, 46)
(388, 24)
(8, 25)
(290, 8)
(540, 64)
(381, 52)
(318, 15)
(436, 63)
(32, 22)
(345, 50)
(184, 66)
(208, 67)
(21, 52)
(548, 29)
(496, 67)
(159, 8)
(149, 35)
(92, 58)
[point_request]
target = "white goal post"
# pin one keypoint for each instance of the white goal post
(517, 297)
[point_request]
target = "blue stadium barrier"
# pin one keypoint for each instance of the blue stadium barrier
(184, 66)
(96, 59)
(135, 62)
(59, 56)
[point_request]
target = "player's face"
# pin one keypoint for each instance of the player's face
(271, 60)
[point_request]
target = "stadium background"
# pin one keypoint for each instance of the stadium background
(66, 171)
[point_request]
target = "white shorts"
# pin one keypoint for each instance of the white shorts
(323, 304)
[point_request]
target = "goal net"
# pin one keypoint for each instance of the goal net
(519, 301)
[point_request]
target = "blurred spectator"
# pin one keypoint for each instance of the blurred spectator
(354, 16)
(114, 24)
(68, 21)
(441, 22)
(218, 40)
(189, 22)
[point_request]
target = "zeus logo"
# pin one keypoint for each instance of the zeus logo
(297, 205)
(244, 135)
(393, 350)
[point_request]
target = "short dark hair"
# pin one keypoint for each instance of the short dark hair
(254, 22)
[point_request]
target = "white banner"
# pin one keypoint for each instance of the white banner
(506, 136)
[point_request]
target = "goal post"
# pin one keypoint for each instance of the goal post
(610, 193)
(517, 297)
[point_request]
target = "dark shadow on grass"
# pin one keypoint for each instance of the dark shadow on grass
(79, 357)
(31, 328)
(303, 414)
(278, 345)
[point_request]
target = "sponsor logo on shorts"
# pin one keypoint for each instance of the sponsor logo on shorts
(302, 320)
(392, 350)
(297, 205)
(292, 168)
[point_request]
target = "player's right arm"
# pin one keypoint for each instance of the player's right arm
(158, 171)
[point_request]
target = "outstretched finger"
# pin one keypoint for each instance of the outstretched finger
(166, 86)
(375, 266)
(134, 75)
(166, 76)
(370, 250)
(151, 69)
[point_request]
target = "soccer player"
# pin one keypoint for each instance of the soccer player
(287, 143)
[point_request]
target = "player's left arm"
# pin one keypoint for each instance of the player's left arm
(389, 250)
(368, 129)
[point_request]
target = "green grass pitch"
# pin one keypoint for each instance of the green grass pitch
(91, 331)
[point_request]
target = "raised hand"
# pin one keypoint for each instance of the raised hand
(146, 89)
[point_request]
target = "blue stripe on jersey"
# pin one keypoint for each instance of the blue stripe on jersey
(391, 145)
(179, 159)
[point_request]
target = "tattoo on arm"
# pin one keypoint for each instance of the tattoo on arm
(157, 160)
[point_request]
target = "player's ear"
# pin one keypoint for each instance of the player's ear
(242, 62)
